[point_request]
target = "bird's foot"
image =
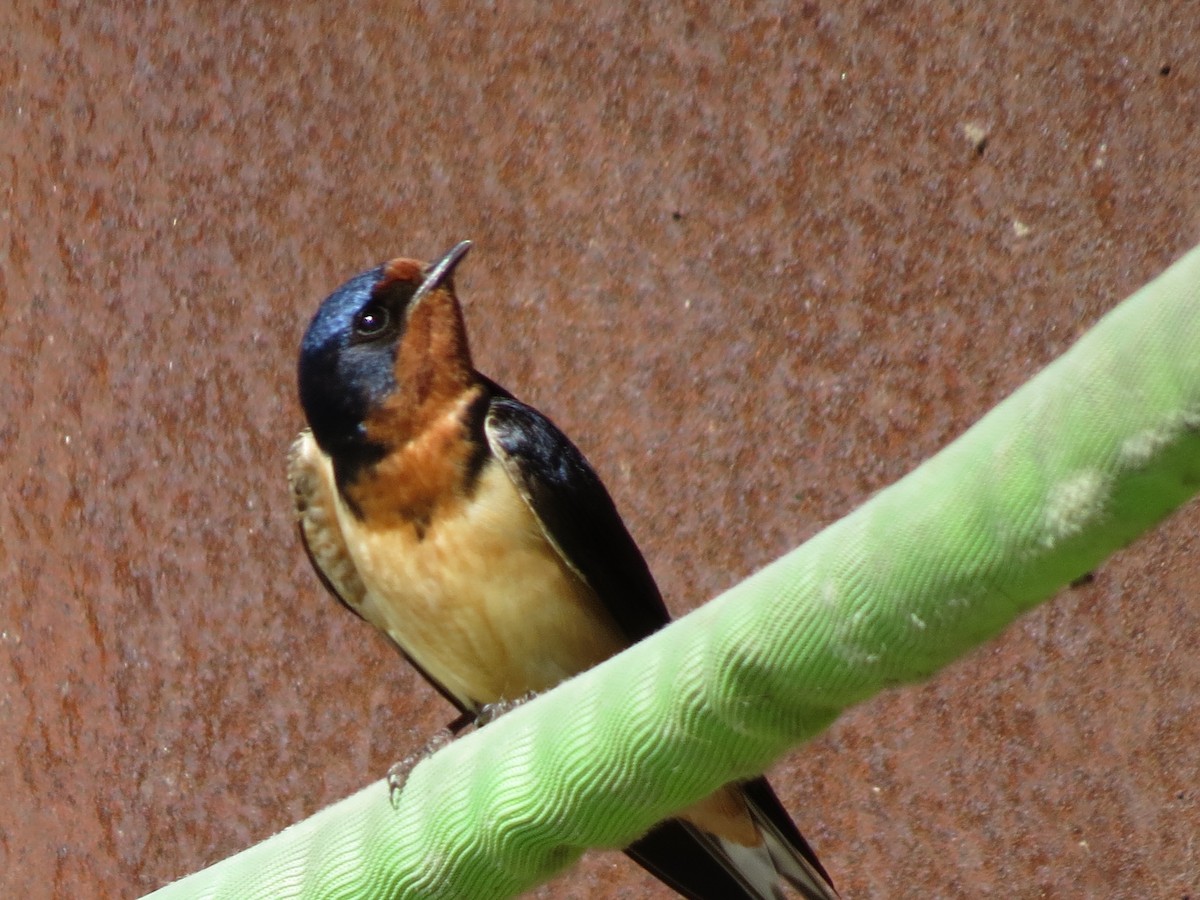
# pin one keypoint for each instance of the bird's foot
(398, 773)
(490, 712)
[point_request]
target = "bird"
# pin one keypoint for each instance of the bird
(464, 525)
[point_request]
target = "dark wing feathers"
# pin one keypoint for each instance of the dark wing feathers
(576, 513)
(761, 797)
(678, 855)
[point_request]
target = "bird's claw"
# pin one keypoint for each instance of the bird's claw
(398, 773)
(490, 712)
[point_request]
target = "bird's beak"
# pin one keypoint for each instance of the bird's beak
(440, 272)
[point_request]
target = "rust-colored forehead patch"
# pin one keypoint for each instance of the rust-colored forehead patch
(402, 270)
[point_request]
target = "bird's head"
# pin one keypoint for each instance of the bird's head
(384, 350)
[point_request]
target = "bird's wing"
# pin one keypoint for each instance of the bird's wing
(576, 514)
(310, 474)
(582, 524)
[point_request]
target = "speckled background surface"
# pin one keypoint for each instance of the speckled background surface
(759, 260)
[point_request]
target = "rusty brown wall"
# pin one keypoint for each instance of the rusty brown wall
(759, 261)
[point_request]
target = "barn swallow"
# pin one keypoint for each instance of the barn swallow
(467, 528)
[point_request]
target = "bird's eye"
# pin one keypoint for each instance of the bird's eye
(371, 321)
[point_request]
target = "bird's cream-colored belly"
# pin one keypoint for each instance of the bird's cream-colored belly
(482, 603)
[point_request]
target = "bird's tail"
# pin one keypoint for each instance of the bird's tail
(783, 848)
(703, 866)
